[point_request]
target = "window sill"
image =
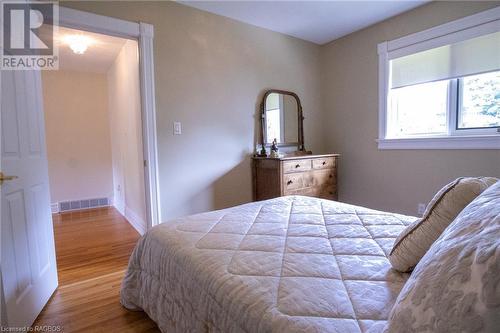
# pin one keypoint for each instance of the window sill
(447, 142)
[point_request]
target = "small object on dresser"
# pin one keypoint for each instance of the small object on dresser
(260, 150)
(274, 149)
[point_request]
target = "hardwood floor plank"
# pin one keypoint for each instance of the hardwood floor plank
(92, 243)
(92, 249)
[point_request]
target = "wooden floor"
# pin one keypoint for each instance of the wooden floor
(92, 243)
(92, 249)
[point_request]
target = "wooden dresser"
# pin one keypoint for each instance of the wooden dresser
(310, 175)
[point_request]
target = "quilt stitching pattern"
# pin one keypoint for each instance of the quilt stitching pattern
(318, 226)
(314, 260)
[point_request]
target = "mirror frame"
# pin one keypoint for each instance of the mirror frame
(300, 119)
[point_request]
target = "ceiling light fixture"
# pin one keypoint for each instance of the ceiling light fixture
(78, 43)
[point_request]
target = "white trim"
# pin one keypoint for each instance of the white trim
(76, 19)
(445, 29)
(149, 135)
(119, 205)
(383, 84)
(451, 108)
(469, 26)
(446, 142)
(469, 33)
(135, 221)
(143, 33)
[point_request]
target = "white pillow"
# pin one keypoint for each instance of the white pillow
(456, 285)
(414, 241)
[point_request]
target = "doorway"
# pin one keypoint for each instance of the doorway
(28, 270)
(93, 133)
(143, 34)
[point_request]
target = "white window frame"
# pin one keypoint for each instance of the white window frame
(452, 32)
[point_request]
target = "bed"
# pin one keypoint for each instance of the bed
(290, 264)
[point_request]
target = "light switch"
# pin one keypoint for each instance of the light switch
(177, 128)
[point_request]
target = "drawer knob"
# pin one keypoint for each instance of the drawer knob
(330, 176)
(324, 162)
(331, 193)
(289, 182)
(297, 166)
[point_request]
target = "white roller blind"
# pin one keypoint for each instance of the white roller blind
(472, 56)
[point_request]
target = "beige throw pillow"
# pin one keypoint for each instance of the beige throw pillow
(417, 238)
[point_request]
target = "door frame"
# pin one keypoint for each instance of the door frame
(143, 33)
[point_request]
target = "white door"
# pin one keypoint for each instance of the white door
(29, 273)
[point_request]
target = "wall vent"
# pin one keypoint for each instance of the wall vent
(65, 206)
(54, 208)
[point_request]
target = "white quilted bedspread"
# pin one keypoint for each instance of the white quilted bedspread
(291, 264)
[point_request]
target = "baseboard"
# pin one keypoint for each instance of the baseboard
(135, 220)
(119, 205)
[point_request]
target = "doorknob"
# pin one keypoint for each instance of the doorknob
(3, 177)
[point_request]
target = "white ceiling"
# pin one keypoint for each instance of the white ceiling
(98, 58)
(316, 21)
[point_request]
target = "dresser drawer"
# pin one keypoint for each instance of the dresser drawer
(322, 177)
(293, 181)
(329, 192)
(323, 163)
(296, 166)
(308, 192)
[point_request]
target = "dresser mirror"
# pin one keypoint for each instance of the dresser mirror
(282, 119)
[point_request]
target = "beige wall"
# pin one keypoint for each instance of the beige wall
(393, 180)
(211, 73)
(78, 139)
(126, 135)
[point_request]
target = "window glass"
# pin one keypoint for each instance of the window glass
(479, 101)
(418, 110)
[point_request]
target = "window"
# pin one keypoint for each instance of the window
(479, 103)
(429, 109)
(441, 88)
